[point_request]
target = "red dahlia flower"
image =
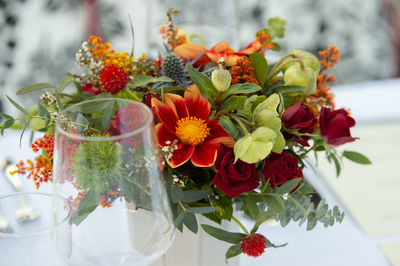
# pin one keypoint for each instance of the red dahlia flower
(254, 245)
(113, 79)
(186, 121)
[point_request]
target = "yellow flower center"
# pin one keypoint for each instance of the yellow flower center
(192, 130)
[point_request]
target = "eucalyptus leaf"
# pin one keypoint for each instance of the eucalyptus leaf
(194, 195)
(202, 210)
(86, 206)
(189, 220)
(275, 204)
(19, 107)
(43, 111)
(176, 194)
(252, 207)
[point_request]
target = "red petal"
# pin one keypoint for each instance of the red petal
(163, 135)
(205, 154)
(181, 155)
(196, 104)
(165, 114)
(218, 134)
(177, 103)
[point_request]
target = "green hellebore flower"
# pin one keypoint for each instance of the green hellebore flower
(308, 59)
(35, 123)
(221, 79)
(255, 146)
(265, 114)
(296, 76)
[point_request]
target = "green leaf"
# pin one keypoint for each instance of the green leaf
(194, 195)
(201, 210)
(262, 217)
(260, 66)
(356, 157)
(288, 186)
(305, 189)
(227, 124)
(240, 88)
(64, 83)
(202, 82)
(290, 90)
(173, 88)
(234, 103)
(81, 122)
(233, 251)
(179, 218)
(176, 194)
(91, 107)
(337, 163)
(43, 111)
(276, 27)
(252, 206)
(133, 37)
(189, 220)
(220, 234)
(19, 107)
(275, 203)
(107, 116)
(34, 87)
(311, 221)
(143, 81)
(87, 205)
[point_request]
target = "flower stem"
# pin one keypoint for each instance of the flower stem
(240, 225)
(278, 67)
(242, 126)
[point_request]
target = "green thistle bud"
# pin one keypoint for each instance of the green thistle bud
(97, 165)
(221, 79)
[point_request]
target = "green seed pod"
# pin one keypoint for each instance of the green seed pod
(221, 79)
(296, 76)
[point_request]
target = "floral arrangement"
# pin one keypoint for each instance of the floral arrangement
(233, 130)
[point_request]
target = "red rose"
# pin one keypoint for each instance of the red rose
(301, 118)
(234, 178)
(281, 168)
(335, 126)
(127, 119)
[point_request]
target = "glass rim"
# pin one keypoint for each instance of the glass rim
(145, 125)
(47, 228)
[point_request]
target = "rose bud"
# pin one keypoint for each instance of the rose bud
(296, 76)
(335, 126)
(221, 79)
(280, 168)
(234, 178)
(299, 117)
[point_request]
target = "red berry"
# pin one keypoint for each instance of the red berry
(113, 78)
(254, 245)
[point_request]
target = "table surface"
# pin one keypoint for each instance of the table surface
(342, 244)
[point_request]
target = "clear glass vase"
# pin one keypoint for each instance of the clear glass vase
(107, 165)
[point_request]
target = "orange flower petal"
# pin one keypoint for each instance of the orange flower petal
(205, 154)
(177, 103)
(165, 114)
(221, 47)
(191, 51)
(181, 155)
(253, 47)
(196, 104)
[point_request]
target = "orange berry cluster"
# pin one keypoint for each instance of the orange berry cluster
(41, 170)
(243, 72)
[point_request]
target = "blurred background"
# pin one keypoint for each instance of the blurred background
(39, 38)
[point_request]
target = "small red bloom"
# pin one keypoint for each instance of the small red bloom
(89, 88)
(113, 78)
(254, 245)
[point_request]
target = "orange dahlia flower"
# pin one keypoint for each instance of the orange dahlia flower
(184, 123)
